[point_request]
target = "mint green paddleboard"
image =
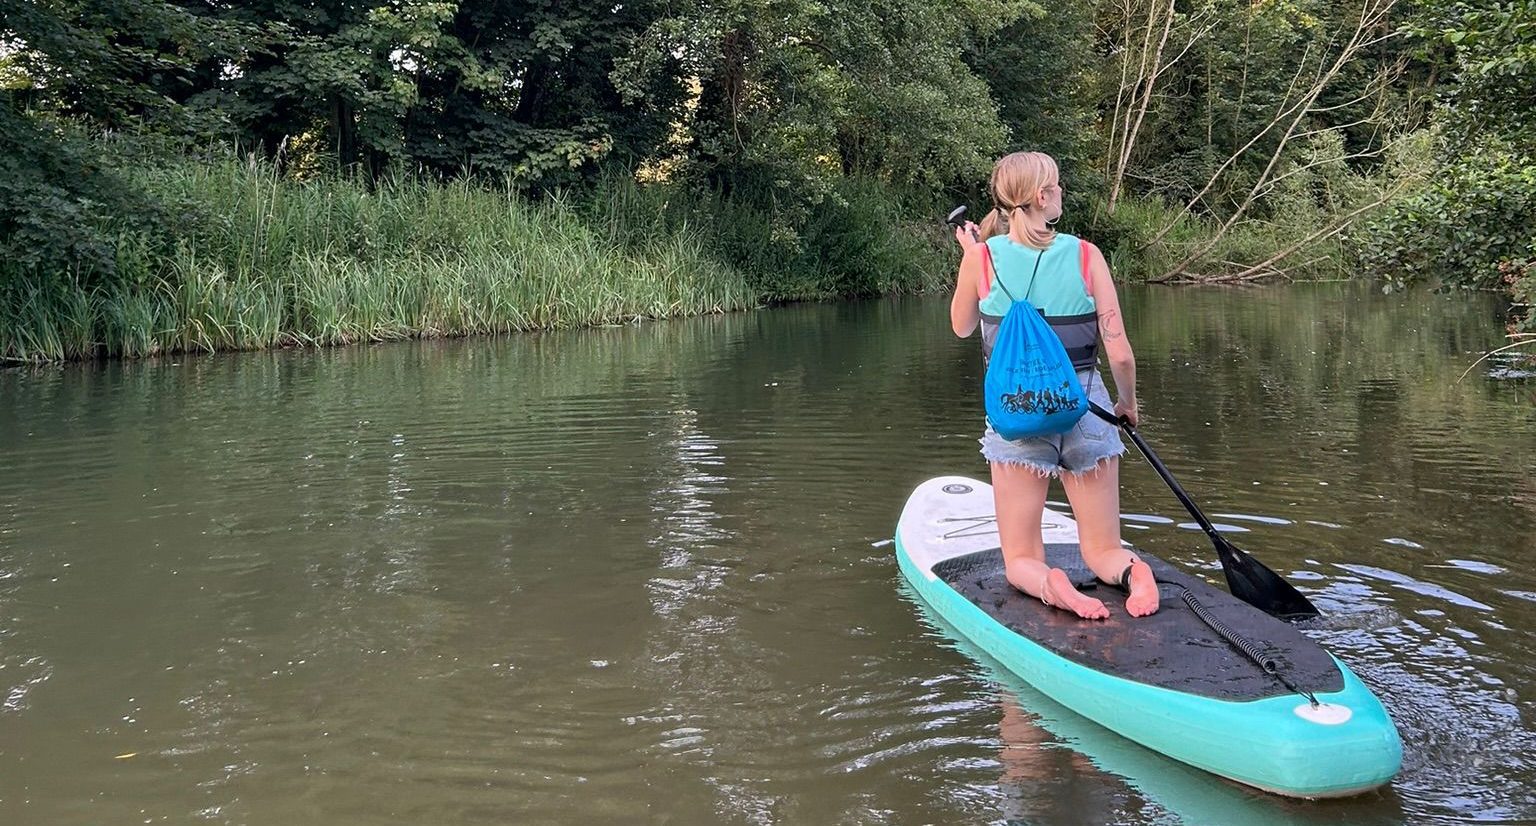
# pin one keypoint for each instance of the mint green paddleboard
(1169, 681)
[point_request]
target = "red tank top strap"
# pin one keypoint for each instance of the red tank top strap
(1083, 250)
(984, 283)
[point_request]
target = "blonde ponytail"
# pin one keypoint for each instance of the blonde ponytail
(1017, 180)
(996, 223)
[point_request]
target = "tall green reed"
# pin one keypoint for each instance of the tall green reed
(260, 260)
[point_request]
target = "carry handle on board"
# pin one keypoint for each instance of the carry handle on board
(1247, 578)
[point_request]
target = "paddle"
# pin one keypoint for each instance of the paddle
(956, 219)
(1247, 578)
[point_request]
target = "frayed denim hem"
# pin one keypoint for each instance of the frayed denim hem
(1077, 451)
(1117, 453)
(1045, 471)
(1042, 471)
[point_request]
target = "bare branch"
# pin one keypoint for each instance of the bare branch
(1327, 232)
(1216, 175)
(1111, 151)
(1351, 47)
(1521, 339)
(1371, 153)
(1194, 38)
(1129, 140)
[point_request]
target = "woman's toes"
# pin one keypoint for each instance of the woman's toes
(1068, 598)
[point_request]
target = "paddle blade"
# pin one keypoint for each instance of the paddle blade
(1250, 581)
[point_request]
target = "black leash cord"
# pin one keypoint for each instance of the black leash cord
(1243, 644)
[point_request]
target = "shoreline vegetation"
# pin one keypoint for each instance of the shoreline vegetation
(179, 176)
(260, 259)
(264, 262)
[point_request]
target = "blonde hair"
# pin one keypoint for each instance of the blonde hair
(1017, 180)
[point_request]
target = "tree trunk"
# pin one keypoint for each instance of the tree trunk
(344, 131)
(531, 97)
(721, 107)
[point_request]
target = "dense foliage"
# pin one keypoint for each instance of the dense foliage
(802, 146)
(1472, 221)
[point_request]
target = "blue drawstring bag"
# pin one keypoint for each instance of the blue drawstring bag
(1030, 388)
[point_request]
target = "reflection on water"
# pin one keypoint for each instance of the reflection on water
(629, 574)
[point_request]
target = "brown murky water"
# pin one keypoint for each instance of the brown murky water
(633, 575)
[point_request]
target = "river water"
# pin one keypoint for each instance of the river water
(639, 574)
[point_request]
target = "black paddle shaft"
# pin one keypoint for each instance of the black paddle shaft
(1247, 578)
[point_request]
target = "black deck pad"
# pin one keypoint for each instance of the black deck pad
(1171, 649)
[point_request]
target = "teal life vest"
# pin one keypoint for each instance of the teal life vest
(1059, 289)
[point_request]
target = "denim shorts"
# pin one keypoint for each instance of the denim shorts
(1090, 441)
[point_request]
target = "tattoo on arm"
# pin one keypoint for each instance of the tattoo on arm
(1108, 325)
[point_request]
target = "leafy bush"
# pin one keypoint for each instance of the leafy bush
(61, 208)
(1520, 277)
(863, 238)
(1476, 215)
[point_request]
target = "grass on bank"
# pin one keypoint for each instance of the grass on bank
(250, 259)
(260, 261)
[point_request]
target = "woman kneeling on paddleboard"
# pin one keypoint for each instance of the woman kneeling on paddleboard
(1069, 282)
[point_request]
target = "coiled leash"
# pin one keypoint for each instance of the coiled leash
(975, 525)
(1249, 648)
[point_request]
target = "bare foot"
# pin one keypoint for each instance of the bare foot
(1059, 593)
(1144, 597)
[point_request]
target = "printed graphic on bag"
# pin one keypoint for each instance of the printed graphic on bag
(1045, 402)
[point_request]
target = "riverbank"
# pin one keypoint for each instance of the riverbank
(246, 257)
(259, 261)
(255, 259)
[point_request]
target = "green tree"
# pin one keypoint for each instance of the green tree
(1473, 221)
(523, 90)
(341, 70)
(1041, 70)
(102, 64)
(1492, 56)
(111, 62)
(793, 94)
(537, 92)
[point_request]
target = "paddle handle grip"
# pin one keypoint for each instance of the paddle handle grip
(957, 220)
